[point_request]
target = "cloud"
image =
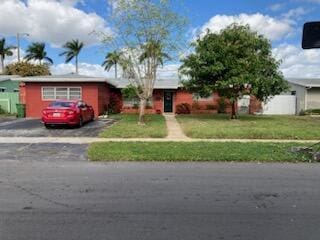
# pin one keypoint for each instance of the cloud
(297, 62)
(51, 21)
(295, 13)
(277, 7)
(272, 28)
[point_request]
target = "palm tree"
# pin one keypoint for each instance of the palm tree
(153, 51)
(36, 51)
(112, 59)
(4, 51)
(72, 50)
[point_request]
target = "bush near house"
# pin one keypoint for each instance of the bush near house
(312, 112)
(2, 111)
(183, 108)
(115, 104)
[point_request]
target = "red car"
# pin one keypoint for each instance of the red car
(67, 112)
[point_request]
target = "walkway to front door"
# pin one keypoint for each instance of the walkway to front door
(174, 129)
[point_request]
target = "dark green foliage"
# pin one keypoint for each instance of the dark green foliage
(36, 51)
(25, 69)
(234, 62)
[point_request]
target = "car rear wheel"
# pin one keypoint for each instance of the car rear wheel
(47, 126)
(80, 122)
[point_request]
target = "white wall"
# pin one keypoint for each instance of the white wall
(280, 105)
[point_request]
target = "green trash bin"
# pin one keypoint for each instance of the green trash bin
(21, 110)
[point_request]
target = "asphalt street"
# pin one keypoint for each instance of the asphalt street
(50, 191)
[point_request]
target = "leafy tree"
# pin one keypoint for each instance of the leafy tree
(72, 50)
(234, 62)
(25, 69)
(4, 51)
(147, 33)
(112, 59)
(36, 51)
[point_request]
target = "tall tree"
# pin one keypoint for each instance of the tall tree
(36, 51)
(72, 50)
(234, 62)
(112, 59)
(145, 31)
(27, 69)
(4, 51)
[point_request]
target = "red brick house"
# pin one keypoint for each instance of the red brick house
(37, 92)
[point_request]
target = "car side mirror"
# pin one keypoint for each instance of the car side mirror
(311, 35)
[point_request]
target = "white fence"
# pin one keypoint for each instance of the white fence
(280, 105)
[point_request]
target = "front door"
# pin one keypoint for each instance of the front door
(168, 98)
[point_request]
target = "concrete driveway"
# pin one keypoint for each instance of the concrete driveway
(34, 128)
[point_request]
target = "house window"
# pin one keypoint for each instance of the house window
(54, 93)
(2, 89)
(197, 97)
(16, 90)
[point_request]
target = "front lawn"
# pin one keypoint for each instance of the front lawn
(194, 151)
(127, 127)
(250, 127)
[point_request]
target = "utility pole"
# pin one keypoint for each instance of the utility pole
(18, 42)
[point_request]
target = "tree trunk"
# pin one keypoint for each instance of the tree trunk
(76, 64)
(2, 64)
(143, 103)
(234, 110)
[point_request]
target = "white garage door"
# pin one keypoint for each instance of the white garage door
(280, 105)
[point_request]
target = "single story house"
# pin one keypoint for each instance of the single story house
(9, 93)
(307, 92)
(7, 85)
(37, 92)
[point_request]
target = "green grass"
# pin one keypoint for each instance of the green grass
(194, 151)
(250, 127)
(127, 127)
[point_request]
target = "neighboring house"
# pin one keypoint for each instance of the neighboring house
(307, 92)
(38, 92)
(9, 93)
(7, 85)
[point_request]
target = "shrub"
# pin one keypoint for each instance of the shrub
(222, 105)
(115, 104)
(2, 111)
(312, 111)
(211, 107)
(183, 108)
(25, 69)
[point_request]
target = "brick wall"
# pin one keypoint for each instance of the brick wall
(90, 94)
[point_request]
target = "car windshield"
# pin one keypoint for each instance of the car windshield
(61, 104)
